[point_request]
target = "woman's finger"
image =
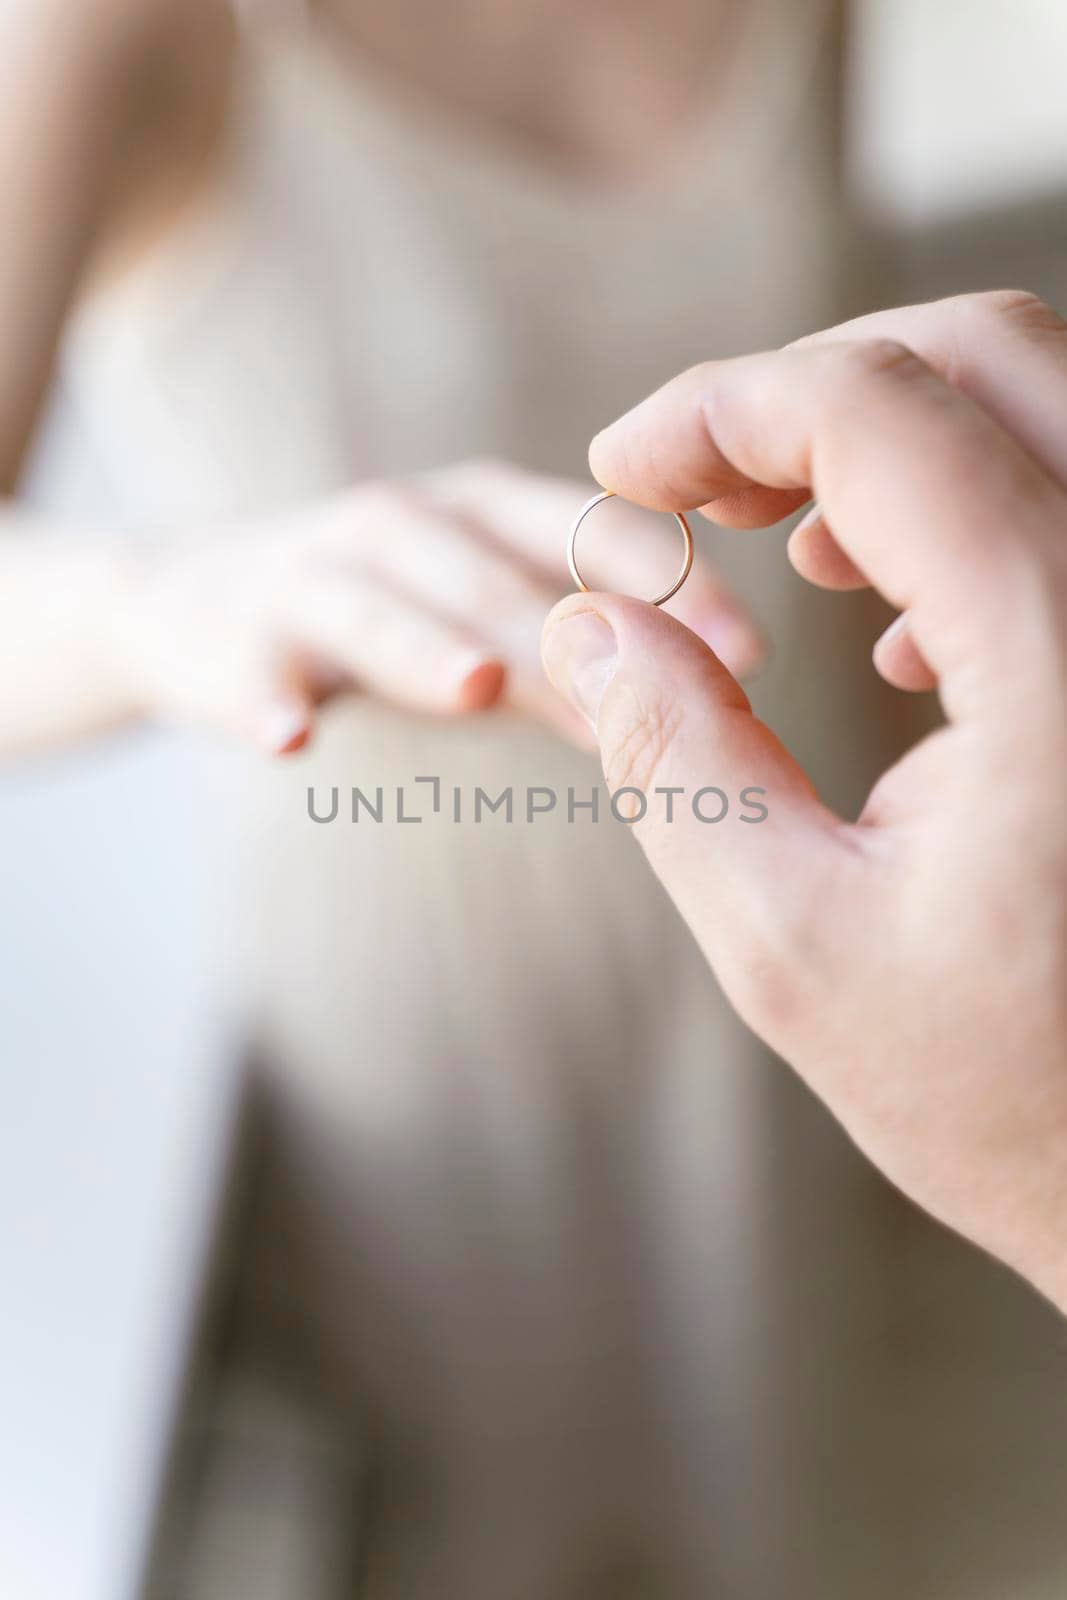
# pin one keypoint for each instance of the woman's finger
(450, 573)
(442, 562)
(529, 515)
(388, 644)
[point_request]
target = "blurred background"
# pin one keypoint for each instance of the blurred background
(337, 1260)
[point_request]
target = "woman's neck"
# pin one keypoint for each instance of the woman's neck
(604, 88)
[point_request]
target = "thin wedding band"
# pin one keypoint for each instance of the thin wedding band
(609, 494)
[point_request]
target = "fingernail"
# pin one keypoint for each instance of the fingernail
(809, 519)
(481, 683)
(284, 728)
(898, 626)
(581, 658)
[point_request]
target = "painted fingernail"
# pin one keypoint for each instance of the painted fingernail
(284, 728)
(481, 684)
(580, 658)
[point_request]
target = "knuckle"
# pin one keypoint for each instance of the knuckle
(343, 534)
(355, 506)
(856, 371)
(384, 498)
(973, 321)
(375, 506)
(863, 360)
(1018, 308)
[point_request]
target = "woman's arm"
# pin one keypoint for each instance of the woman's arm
(63, 674)
(104, 106)
(430, 595)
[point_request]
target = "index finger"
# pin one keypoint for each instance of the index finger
(1004, 347)
(946, 513)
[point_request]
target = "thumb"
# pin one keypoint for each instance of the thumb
(730, 822)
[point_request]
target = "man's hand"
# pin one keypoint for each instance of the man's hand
(912, 965)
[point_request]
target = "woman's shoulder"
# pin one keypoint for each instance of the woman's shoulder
(172, 72)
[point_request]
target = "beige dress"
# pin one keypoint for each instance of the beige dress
(600, 1291)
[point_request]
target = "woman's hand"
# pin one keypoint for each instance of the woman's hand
(912, 966)
(431, 596)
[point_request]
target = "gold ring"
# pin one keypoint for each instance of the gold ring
(609, 494)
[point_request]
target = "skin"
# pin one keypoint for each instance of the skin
(85, 152)
(111, 114)
(601, 92)
(911, 965)
(251, 630)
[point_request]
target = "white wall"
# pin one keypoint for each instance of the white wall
(117, 1093)
(958, 104)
